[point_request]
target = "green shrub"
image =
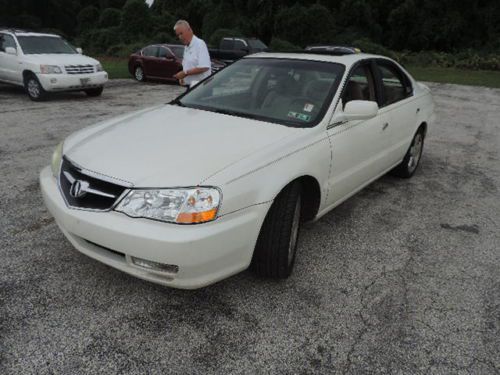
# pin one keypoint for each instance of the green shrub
(123, 50)
(366, 45)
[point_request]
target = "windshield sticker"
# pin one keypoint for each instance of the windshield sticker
(308, 107)
(299, 116)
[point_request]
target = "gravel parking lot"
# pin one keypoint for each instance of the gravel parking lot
(403, 278)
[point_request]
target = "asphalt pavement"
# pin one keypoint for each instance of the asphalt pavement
(403, 278)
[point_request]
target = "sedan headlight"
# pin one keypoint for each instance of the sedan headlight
(56, 159)
(50, 69)
(98, 68)
(182, 206)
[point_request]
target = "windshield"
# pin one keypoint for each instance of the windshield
(44, 44)
(284, 91)
(256, 44)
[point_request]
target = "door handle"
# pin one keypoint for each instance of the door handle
(385, 126)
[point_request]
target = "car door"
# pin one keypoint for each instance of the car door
(9, 64)
(149, 60)
(398, 106)
(167, 64)
(358, 147)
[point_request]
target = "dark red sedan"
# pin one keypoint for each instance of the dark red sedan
(160, 61)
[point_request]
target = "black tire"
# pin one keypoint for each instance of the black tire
(94, 92)
(139, 74)
(33, 88)
(276, 248)
(411, 161)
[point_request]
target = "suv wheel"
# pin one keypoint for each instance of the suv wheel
(94, 92)
(33, 88)
(139, 74)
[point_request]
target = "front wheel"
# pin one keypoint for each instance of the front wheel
(276, 248)
(412, 158)
(139, 74)
(94, 92)
(33, 88)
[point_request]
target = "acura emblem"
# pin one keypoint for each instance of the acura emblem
(78, 188)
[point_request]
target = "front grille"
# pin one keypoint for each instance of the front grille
(87, 192)
(79, 69)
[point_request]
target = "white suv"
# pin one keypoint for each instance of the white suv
(47, 63)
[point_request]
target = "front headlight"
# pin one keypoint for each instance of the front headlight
(182, 206)
(50, 69)
(56, 159)
(98, 68)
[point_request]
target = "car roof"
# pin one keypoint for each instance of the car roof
(17, 32)
(348, 59)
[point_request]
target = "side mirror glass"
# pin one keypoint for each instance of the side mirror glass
(79, 50)
(10, 50)
(360, 110)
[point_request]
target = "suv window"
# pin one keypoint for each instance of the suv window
(238, 44)
(396, 88)
(227, 44)
(6, 41)
(150, 51)
(360, 85)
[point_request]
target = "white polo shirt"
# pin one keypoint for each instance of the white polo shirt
(196, 56)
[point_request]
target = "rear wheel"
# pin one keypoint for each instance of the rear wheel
(139, 74)
(276, 248)
(412, 158)
(33, 88)
(94, 92)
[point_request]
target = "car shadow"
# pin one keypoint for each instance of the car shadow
(18, 91)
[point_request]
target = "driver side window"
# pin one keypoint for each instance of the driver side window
(360, 86)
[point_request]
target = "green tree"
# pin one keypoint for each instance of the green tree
(87, 18)
(136, 19)
(110, 17)
(301, 26)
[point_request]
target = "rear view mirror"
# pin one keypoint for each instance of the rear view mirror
(10, 50)
(79, 50)
(360, 110)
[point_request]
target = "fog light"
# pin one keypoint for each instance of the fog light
(154, 266)
(53, 80)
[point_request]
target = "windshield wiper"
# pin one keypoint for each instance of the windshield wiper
(234, 113)
(177, 102)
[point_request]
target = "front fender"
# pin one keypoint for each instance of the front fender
(260, 178)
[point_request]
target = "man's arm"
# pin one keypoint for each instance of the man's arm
(190, 72)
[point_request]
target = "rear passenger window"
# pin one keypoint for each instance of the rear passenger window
(360, 86)
(396, 88)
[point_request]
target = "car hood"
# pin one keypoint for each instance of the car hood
(171, 146)
(60, 59)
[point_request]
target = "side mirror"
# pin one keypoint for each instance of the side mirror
(10, 50)
(79, 50)
(360, 110)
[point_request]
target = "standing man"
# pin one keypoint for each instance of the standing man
(196, 61)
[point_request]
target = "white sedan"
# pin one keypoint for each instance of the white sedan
(220, 179)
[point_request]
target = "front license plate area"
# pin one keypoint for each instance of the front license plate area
(85, 81)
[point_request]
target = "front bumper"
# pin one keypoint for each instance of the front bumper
(72, 82)
(203, 253)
